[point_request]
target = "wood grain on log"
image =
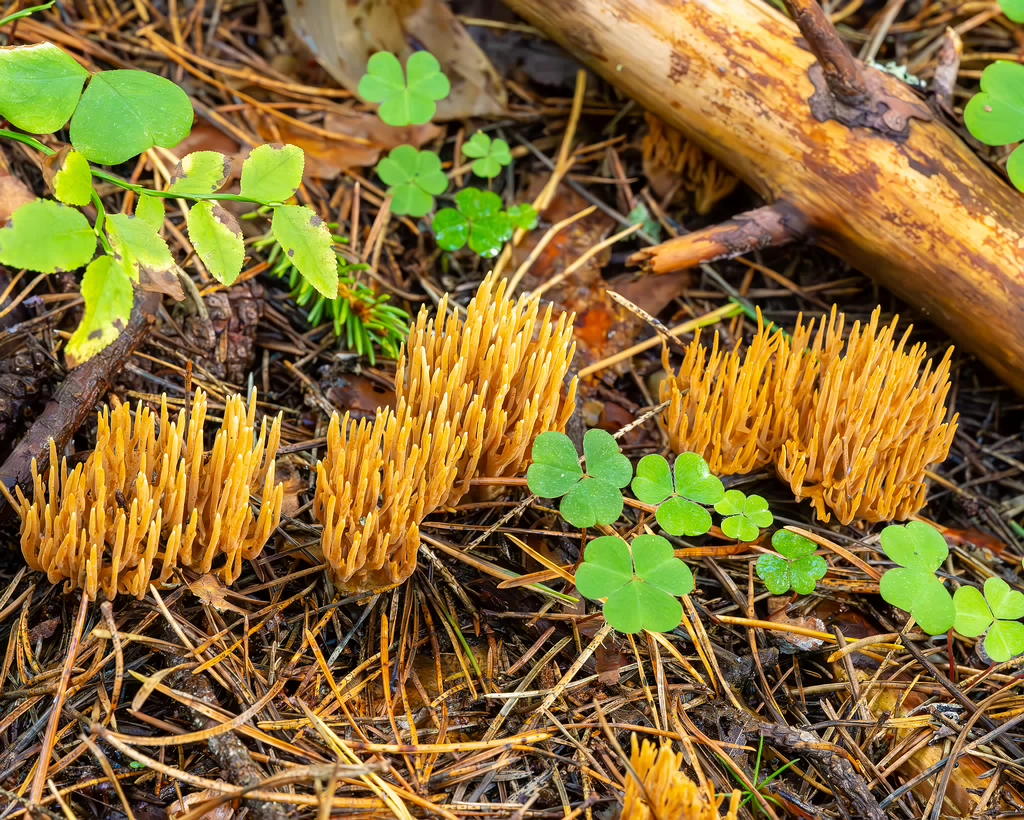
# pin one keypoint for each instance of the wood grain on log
(910, 205)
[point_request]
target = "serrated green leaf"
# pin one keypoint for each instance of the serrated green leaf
(607, 566)
(656, 564)
(451, 229)
(415, 178)
(774, 571)
(46, 236)
(307, 242)
(108, 295)
(217, 238)
(150, 209)
(792, 545)
(1005, 640)
(915, 545)
(680, 516)
(272, 173)
(1006, 604)
(694, 480)
(404, 101)
(72, 183)
(604, 459)
(201, 172)
(555, 466)
(973, 615)
(653, 482)
(805, 573)
(524, 216)
(591, 502)
(123, 113)
(40, 86)
(138, 246)
(731, 503)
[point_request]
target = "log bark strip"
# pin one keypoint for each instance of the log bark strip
(920, 213)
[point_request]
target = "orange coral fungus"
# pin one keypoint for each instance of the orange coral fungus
(861, 446)
(378, 481)
(147, 501)
(721, 404)
(502, 371)
(667, 792)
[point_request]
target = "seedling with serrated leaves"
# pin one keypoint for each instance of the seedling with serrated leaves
(913, 586)
(409, 97)
(477, 219)
(115, 116)
(796, 566)
(490, 155)
(746, 515)
(641, 583)
(995, 115)
(680, 510)
(588, 498)
(415, 178)
(999, 611)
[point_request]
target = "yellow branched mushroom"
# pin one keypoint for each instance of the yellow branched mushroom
(378, 481)
(666, 791)
(876, 422)
(720, 404)
(149, 500)
(502, 370)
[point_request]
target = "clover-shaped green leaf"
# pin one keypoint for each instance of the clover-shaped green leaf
(1014, 9)
(524, 216)
(913, 586)
(641, 586)
(403, 101)
(415, 178)
(490, 155)
(796, 567)
(997, 611)
(479, 220)
(995, 115)
(679, 506)
(589, 498)
(746, 514)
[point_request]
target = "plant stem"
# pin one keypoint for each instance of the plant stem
(101, 218)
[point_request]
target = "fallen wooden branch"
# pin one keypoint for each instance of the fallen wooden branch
(848, 152)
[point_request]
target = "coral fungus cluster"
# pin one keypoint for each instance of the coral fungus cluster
(472, 395)
(665, 791)
(853, 429)
(150, 499)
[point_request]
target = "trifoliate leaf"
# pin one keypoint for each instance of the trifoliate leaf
(272, 173)
(40, 86)
(555, 466)
(123, 113)
(1005, 640)
(604, 459)
(415, 178)
(656, 563)
(680, 516)
(972, 613)
(746, 515)
(72, 181)
(607, 566)
(108, 295)
(217, 238)
(592, 502)
(653, 482)
(490, 155)
(451, 229)
(309, 246)
(915, 545)
(404, 101)
(46, 236)
(695, 482)
(524, 216)
(792, 545)
(201, 172)
(638, 606)
(920, 593)
(1006, 604)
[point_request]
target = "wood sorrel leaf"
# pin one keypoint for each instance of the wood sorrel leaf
(415, 178)
(309, 246)
(555, 466)
(451, 229)
(915, 545)
(792, 545)
(656, 564)
(490, 155)
(46, 236)
(679, 516)
(774, 571)
(605, 460)
(995, 115)
(920, 593)
(123, 113)
(201, 172)
(217, 238)
(607, 566)
(805, 572)
(273, 173)
(1006, 604)
(694, 480)
(639, 606)
(404, 101)
(40, 86)
(1005, 640)
(972, 613)
(592, 502)
(653, 482)
(108, 295)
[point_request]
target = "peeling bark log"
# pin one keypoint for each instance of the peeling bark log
(910, 205)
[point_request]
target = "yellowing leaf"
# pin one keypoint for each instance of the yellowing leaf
(138, 245)
(72, 184)
(272, 173)
(202, 172)
(151, 211)
(217, 238)
(108, 296)
(46, 236)
(307, 241)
